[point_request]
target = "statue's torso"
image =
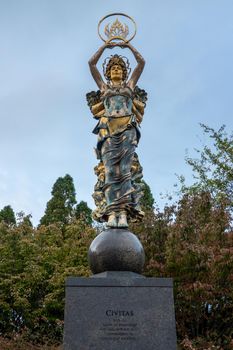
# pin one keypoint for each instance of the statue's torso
(118, 107)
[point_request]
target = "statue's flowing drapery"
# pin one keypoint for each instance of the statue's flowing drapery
(119, 185)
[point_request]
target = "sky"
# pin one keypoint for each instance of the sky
(45, 123)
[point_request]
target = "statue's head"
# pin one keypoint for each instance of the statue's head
(116, 68)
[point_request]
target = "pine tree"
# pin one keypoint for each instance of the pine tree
(61, 206)
(83, 212)
(147, 200)
(7, 215)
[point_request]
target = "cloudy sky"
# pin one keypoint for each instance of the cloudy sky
(45, 124)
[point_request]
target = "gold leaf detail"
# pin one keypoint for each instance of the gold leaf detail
(117, 29)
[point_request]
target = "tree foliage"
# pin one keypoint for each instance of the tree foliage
(213, 170)
(7, 215)
(33, 266)
(61, 206)
(35, 262)
(147, 200)
(83, 212)
(199, 258)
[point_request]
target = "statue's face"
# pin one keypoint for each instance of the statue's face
(116, 72)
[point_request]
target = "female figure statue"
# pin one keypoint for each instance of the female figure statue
(118, 106)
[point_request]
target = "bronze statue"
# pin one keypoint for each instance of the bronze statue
(118, 106)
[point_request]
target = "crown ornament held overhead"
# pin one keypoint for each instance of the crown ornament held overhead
(116, 30)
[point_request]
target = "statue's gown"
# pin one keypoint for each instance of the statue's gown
(118, 137)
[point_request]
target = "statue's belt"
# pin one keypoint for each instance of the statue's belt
(117, 117)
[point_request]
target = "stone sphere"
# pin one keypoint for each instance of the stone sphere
(116, 250)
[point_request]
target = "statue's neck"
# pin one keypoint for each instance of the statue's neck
(117, 84)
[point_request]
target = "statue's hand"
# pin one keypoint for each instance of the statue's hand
(123, 45)
(110, 45)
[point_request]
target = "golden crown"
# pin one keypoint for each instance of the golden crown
(117, 30)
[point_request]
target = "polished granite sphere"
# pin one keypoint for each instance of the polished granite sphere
(116, 249)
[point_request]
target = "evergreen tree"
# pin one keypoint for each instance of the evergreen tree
(7, 215)
(147, 200)
(83, 212)
(61, 206)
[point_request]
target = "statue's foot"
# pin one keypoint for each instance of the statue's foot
(122, 220)
(112, 220)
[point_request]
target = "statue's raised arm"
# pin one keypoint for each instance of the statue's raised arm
(93, 68)
(138, 69)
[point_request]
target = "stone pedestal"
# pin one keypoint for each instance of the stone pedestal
(119, 311)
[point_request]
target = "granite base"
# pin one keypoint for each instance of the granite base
(119, 311)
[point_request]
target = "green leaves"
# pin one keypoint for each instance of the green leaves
(33, 267)
(147, 200)
(34, 263)
(60, 207)
(83, 212)
(7, 215)
(213, 170)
